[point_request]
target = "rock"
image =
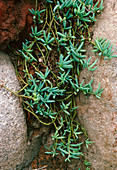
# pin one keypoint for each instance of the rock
(32, 150)
(15, 20)
(17, 151)
(13, 128)
(99, 116)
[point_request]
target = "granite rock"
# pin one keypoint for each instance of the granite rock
(13, 128)
(17, 147)
(99, 116)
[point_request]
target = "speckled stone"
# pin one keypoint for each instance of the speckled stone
(13, 128)
(17, 150)
(99, 117)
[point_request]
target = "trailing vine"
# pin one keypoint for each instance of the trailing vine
(52, 61)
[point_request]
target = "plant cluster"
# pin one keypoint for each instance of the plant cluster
(52, 61)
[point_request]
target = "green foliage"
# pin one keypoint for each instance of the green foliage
(27, 52)
(47, 39)
(36, 14)
(35, 33)
(72, 150)
(103, 47)
(65, 63)
(57, 54)
(90, 67)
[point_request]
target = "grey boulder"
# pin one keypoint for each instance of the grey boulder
(13, 129)
(99, 116)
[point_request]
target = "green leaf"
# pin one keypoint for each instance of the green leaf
(98, 44)
(52, 39)
(25, 56)
(48, 48)
(49, 1)
(62, 35)
(80, 46)
(87, 142)
(31, 56)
